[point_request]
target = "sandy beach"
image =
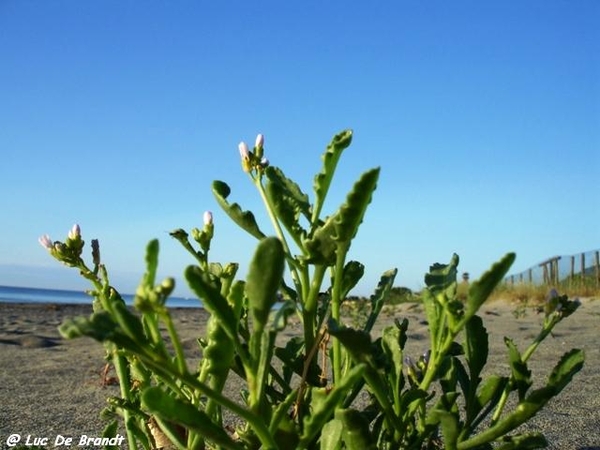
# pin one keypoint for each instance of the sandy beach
(52, 387)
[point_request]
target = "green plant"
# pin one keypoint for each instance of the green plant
(400, 294)
(308, 398)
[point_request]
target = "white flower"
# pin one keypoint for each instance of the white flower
(245, 154)
(208, 218)
(75, 232)
(244, 151)
(260, 141)
(46, 242)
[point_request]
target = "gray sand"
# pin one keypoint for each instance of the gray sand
(50, 386)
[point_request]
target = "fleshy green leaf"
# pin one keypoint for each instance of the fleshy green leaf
(330, 159)
(358, 343)
(151, 263)
(487, 397)
(523, 442)
(264, 278)
(433, 311)
(351, 213)
(481, 289)
(355, 430)
(339, 229)
(520, 373)
(448, 374)
(441, 276)
(129, 322)
(569, 365)
(331, 436)
(325, 402)
(321, 246)
(491, 389)
(476, 346)
(244, 219)
(450, 427)
(562, 374)
(212, 299)
(408, 399)
(392, 342)
(287, 211)
(177, 411)
(385, 285)
(99, 326)
(291, 189)
(280, 318)
(353, 272)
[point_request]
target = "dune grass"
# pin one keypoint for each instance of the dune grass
(528, 293)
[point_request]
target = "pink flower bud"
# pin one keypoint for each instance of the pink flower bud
(244, 151)
(260, 141)
(245, 154)
(46, 242)
(208, 218)
(75, 232)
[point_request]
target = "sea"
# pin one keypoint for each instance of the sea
(12, 294)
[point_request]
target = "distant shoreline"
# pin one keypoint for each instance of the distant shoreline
(29, 295)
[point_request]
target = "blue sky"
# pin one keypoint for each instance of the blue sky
(484, 117)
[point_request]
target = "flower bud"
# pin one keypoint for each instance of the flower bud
(244, 151)
(260, 141)
(75, 232)
(46, 242)
(245, 154)
(208, 218)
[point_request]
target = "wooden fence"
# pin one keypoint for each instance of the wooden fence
(582, 267)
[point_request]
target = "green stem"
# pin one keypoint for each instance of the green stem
(435, 362)
(336, 302)
(165, 371)
(119, 361)
(186, 244)
(310, 307)
(528, 353)
(278, 230)
(121, 368)
(495, 431)
(179, 355)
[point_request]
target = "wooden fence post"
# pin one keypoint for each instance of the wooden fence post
(597, 268)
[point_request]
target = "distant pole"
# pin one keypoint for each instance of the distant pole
(597, 268)
(545, 275)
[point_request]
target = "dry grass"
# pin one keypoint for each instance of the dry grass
(527, 293)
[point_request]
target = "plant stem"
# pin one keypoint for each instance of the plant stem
(291, 262)
(310, 307)
(336, 302)
(179, 356)
(121, 368)
(525, 357)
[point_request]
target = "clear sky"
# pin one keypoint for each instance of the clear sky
(117, 115)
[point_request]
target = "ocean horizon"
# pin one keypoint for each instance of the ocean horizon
(17, 294)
